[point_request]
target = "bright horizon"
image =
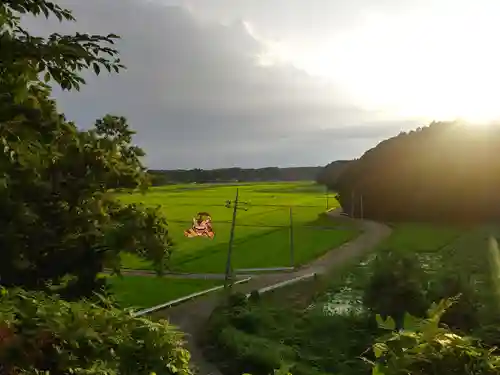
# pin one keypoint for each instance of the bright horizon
(285, 82)
(404, 67)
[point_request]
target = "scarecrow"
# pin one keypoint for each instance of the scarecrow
(202, 226)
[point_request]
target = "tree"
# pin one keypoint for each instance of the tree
(331, 173)
(60, 225)
(59, 57)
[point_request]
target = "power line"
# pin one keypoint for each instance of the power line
(250, 205)
(317, 227)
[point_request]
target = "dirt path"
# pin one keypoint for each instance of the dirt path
(191, 316)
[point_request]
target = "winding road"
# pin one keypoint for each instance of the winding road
(191, 316)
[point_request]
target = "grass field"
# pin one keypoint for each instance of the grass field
(142, 291)
(262, 235)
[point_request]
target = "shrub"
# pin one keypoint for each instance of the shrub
(44, 334)
(396, 286)
(252, 354)
(424, 347)
(463, 315)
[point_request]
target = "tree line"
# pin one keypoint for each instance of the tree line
(329, 174)
(446, 171)
(164, 177)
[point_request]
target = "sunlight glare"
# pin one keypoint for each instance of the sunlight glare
(434, 70)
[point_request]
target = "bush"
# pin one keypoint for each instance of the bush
(257, 338)
(396, 286)
(44, 334)
(252, 354)
(463, 315)
(426, 348)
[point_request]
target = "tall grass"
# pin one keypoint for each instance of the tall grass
(494, 255)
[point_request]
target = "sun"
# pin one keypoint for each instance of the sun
(409, 68)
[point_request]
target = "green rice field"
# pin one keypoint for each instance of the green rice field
(142, 291)
(262, 233)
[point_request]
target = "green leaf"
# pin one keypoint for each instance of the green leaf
(379, 349)
(411, 323)
(46, 77)
(388, 324)
(376, 370)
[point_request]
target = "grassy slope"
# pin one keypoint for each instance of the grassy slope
(142, 292)
(262, 235)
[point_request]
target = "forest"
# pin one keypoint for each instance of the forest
(446, 171)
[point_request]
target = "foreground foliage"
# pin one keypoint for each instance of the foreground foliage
(59, 225)
(43, 334)
(425, 347)
(304, 342)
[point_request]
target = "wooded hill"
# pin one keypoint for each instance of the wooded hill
(331, 173)
(447, 171)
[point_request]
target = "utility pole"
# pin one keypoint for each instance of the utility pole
(326, 194)
(292, 245)
(361, 206)
(352, 203)
(235, 203)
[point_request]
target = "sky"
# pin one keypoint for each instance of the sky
(256, 83)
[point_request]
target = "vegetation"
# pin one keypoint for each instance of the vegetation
(396, 287)
(308, 342)
(59, 224)
(143, 291)
(321, 336)
(46, 335)
(162, 177)
(446, 172)
(262, 234)
(330, 174)
(425, 346)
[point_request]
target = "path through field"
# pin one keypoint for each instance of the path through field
(191, 316)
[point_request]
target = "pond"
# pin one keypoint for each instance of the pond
(348, 299)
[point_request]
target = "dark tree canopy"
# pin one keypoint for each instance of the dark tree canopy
(444, 172)
(330, 174)
(59, 224)
(162, 177)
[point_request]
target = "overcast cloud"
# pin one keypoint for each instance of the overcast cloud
(197, 96)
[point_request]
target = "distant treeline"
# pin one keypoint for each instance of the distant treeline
(446, 172)
(163, 177)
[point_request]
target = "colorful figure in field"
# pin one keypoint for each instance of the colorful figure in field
(202, 226)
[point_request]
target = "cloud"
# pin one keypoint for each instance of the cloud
(196, 95)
